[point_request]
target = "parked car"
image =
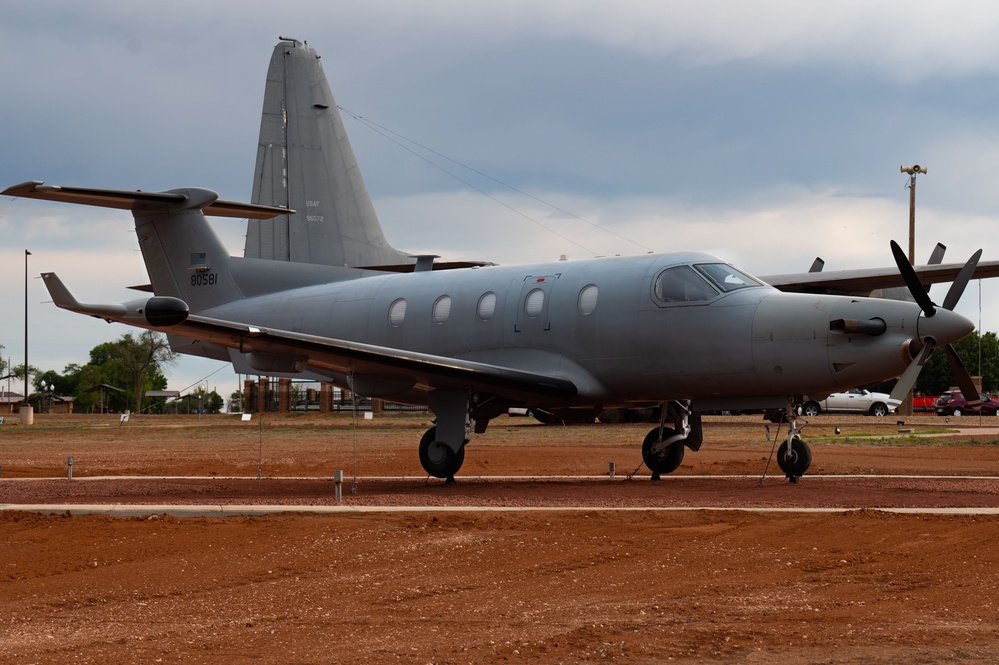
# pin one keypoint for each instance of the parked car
(952, 403)
(851, 401)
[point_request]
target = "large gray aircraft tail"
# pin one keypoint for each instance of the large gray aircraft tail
(305, 163)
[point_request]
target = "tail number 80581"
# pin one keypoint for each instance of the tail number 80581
(204, 279)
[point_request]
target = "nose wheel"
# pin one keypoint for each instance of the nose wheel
(794, 456)
(794, 459)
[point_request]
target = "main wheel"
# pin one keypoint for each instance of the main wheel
(666, 461)
(878, 409)
(810, 409)
(437, 458)
(796, 462)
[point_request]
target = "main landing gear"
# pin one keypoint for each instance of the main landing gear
(442, 448)
(663, 448)
(794, 456)
(438, 458)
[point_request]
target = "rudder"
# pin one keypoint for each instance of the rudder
(305, 163)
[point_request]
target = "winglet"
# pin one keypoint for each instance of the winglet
(60, 294)
(154, 313)
(65, 300)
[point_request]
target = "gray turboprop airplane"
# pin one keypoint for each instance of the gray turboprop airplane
(684, 332)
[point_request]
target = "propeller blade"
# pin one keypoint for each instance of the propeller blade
(963, 378)
(961, 281)
(916, 287)
(908, 378)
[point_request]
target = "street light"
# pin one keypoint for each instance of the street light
(905, 408)
(913, 171)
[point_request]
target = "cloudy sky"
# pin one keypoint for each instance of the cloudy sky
(765, 132)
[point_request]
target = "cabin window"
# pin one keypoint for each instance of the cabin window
(442, 309)
(487, 306)
(534, 303)
(587, 299)
(725, 277)
(682, 285)
(397, 312)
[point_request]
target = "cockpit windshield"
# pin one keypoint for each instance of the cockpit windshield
(682, 285)
(725, 277)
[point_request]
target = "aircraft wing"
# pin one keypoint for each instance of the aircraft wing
(862, 281)
(347, 357)
(423, 370)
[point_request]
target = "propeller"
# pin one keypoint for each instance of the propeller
(922, 298)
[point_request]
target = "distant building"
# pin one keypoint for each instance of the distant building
(10, 402)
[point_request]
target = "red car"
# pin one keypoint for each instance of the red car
(954, 404)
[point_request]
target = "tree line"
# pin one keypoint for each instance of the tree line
(133, 365)
(119, 373)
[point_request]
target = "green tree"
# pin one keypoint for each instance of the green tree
(132, 363)
(141, 358)
(236, 401)
(17, 371)
(936, 376)
(201, 401)
(3, 363)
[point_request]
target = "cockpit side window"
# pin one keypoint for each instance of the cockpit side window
(725, 277)
(682, 285)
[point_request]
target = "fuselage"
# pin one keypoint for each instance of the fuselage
(611, 326)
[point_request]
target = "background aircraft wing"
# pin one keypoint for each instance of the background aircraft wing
(862, 282)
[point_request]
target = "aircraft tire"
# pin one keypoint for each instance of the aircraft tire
(796, 464)
(668, 460)
(437, 458)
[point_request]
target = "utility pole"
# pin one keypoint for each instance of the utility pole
(27, 413)
(905, 408)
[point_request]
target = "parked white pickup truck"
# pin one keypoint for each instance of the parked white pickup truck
(855, 401)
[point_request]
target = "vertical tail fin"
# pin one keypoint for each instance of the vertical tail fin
(183, 255)
(305, 163)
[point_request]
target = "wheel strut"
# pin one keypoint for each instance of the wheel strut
(794, 456)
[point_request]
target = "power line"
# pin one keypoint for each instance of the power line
(385, 131)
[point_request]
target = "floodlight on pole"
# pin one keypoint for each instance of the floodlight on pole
(913, 171)
(905, 408)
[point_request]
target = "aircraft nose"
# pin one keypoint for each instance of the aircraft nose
(945, 326)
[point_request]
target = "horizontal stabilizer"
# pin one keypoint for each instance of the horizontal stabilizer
(205, 199)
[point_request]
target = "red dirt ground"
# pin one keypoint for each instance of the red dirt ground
(458, 586)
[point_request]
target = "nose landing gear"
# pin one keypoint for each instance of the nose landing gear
(794, 456)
